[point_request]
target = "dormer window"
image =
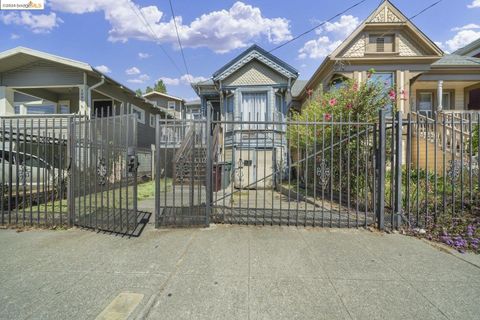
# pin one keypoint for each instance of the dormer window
(380, 43)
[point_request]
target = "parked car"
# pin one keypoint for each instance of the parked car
(27, 171)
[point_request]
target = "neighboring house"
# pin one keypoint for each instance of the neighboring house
(255, 86)
(193, 109)
(173, 106)
(404, 58)
(35, 82)
(470, 50)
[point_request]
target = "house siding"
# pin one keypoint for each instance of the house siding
(42, 74)
(254, 73)
(357, 48)
(457, 88)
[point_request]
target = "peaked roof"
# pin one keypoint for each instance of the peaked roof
(475, 45)
(21, 56)
(161, 94)
(255, 52)
(387, 13)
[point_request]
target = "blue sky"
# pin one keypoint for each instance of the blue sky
(110, 34)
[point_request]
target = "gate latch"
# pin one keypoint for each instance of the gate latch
(132, 161)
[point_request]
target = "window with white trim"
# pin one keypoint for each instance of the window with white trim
(152, 120)
(379, 43)
(171, 104)
(140, 114)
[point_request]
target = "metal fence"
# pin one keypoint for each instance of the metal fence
(318, 173)
(34, 169)
(63, 170)
(433, 170)
(405, 170)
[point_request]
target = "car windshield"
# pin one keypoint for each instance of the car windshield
(30, 161)
(5, 156)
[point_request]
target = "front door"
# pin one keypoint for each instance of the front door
(474, 99)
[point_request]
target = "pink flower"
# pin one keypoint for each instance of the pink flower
(328, 117)
(309, 92)
(332, 102)
(349, 106)
(355, 86)
(392, 94)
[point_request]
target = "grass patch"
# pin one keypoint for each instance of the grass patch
(145, 191)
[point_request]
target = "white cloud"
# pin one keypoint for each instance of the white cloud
(344, 27)
(324, 45)
(467, 27)
(142, 55)
(132, 71)
(319, 48)
(475, 4)
(103, 69)
(14, 36)
(140, 79)
(185, 79)
(461, 39)
(37, 23)
(221, 31)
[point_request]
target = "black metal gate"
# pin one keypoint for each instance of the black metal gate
(103, 186)
(182, 153)
(263, 172)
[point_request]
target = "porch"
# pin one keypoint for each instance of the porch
(428, 96)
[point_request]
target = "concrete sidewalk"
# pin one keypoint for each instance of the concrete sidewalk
(233, 272)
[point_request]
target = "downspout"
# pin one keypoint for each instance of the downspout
(102, 81)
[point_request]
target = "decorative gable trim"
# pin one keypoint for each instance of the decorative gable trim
(254, 54)
(386, 15)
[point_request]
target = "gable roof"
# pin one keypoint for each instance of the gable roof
(161, 94)
(471, 47)
(20, 56)
(387, 13)
(258, 53)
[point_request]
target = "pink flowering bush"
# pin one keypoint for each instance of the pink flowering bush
(354, 103)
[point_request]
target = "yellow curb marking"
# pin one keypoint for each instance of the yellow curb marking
(121, 307)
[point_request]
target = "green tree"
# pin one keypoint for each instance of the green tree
(139, 92)
(339, 134)
(159, 86)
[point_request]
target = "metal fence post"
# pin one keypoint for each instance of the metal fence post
(71, 169)
(398, 170)
(209, 195)
(381, 171)
(157, 168)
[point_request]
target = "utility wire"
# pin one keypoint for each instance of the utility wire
(317, 26)
(144, 20)
(180, 43)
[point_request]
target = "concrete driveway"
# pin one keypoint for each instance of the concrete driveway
(233, 272)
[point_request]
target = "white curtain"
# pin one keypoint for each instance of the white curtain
(254, 106)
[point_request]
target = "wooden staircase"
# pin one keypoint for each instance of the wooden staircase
(447, 136)
(190, 161)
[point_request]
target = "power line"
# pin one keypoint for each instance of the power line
(317, 26)
(180, 43)
(144, 20)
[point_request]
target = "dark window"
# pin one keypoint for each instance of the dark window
(102, 108)
(380, 44)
